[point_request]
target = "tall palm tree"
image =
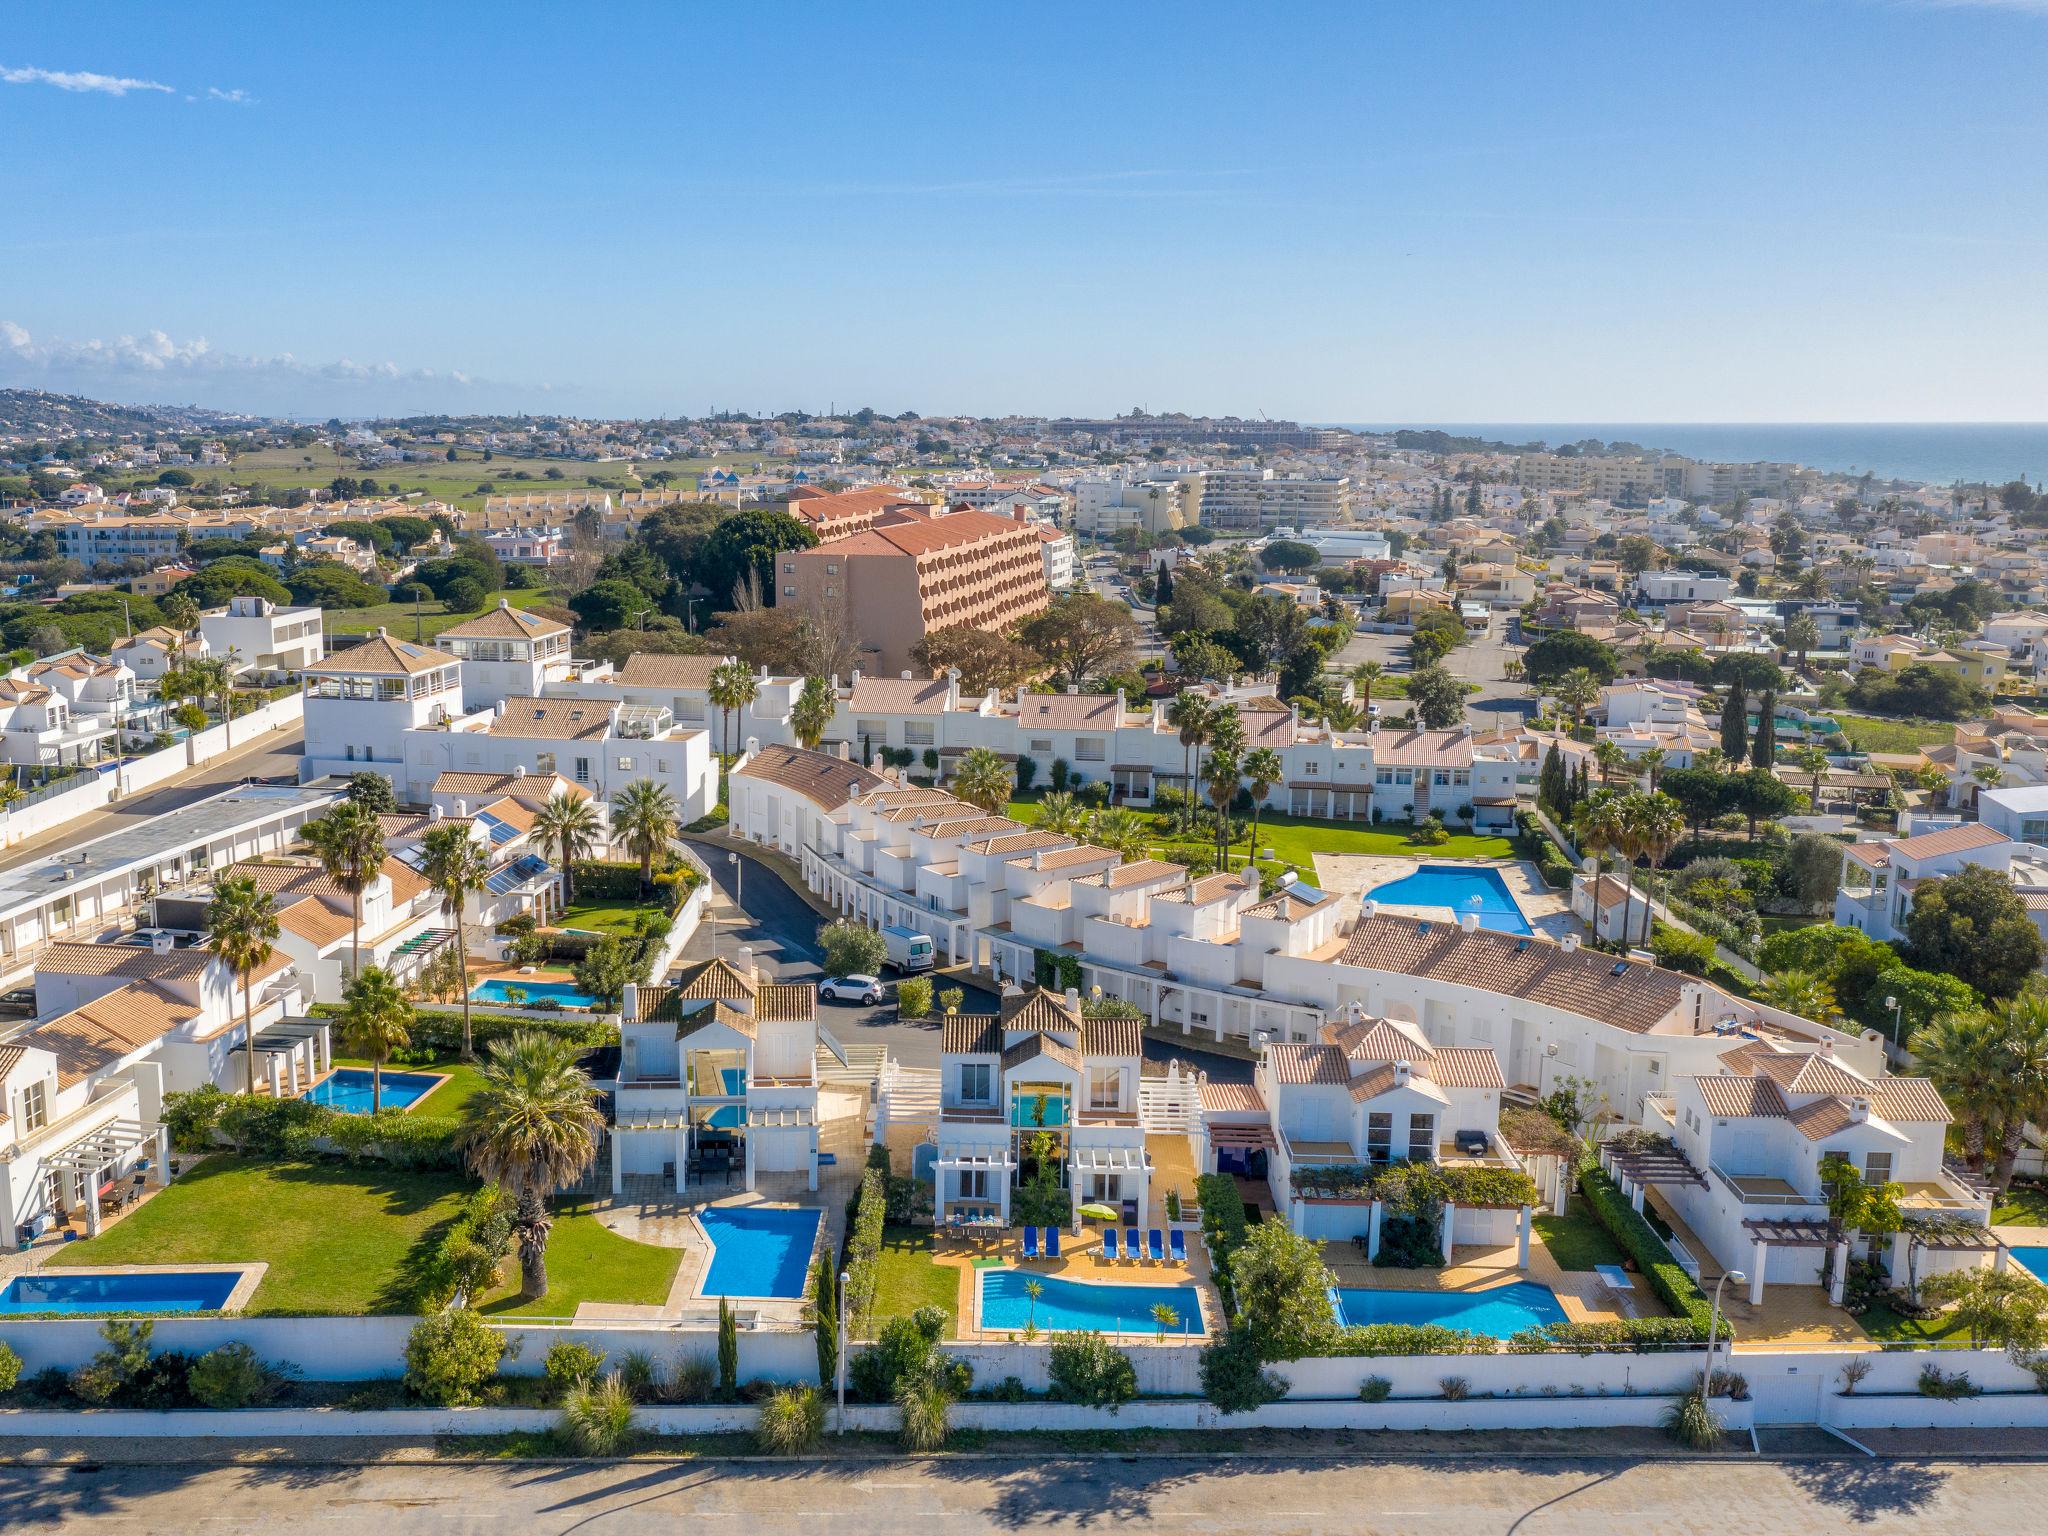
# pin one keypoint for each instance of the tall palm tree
(983, 779)
(1578, 691)
(531, 1127)
(1800, 991)
(1601, 827)
(1059, 811)
(1655, 826)
(1122, 832)
(2024, 1019)
(568, 823)
(1365, 674)
(646, 816)
(732, 687)
(1611, 758)
(1189, 714)
(1651, 761)
(376, 1022)
(1223, 779)
(1815, 761)
(1263, 768)
(349, 842)
(455, 866)
(812, 712)
(241, 922)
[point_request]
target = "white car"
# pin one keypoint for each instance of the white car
(851, 989)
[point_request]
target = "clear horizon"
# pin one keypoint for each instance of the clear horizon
(1486, 213)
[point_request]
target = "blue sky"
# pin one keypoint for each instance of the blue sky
(1800, 210)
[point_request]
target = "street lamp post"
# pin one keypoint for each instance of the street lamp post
(839, 1365)
(1713, 1318)
(1898, 1019)
(739, 872)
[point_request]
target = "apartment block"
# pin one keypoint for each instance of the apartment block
(1247, 500)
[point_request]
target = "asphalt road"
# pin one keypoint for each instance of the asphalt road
(1255, 1495)
(1482, 659)
(274, 754)
(782, 930)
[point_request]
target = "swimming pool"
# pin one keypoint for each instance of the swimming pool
(2034, 1261)
(347, 1089)
(1498, 1311)
(1460, 890)
(758, 1251)
(565, 993)
(156, 1291)
(1081, 1306)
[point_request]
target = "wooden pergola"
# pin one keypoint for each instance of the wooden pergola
(1792, 1232)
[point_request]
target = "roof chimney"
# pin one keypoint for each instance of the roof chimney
(434, 813)
(1469, 921)
(1073, 999)
(745, 963)
(1368, 908)
(1859, 1111)
(161, 942)
(856, 677)
(1402, 1072)
(1570, 943)
(905, 674)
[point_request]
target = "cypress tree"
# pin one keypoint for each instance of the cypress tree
(1734, 728)
(728, 1352)
(1763, 750)
(1550, 784)
(826, 1303)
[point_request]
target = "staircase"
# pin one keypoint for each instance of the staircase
(909, 1095)
(861, 1067)
(1170, 1104)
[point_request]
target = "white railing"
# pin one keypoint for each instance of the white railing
(1685, 1259)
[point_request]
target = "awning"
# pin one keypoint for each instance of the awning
(100, 1146)
(1246, 1137)
(780, 1117)
(991, 1158)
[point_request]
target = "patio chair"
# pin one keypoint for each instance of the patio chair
(1031, 1242)
(1178, 1245)
(1131, 1244)
(1052, 1242)
(1155, 1246)
(1109, 1253)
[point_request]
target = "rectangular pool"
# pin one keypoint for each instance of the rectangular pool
(1082, 1306)
(155, 1291)
(498, 989)
(1498, 1311)
(2034, 1261)
(758, 1251)
(347, 1089)
(1458, 890)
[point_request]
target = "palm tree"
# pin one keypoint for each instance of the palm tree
(1189, 714)
(732, 687)
(1122, 832)
(1223, 780)
(812, 712)
(1578, 691)
(454, 865)
(349, 842)
(240, 925)
(1802, 634)
(2025, 1021)
(1814, 761)
(1365, 674)
(1799, 991)
(1601, 827)
(1987, 775)
(1059, 811)
(1262, 766)
(1652, 763)
(647, 817)
(1656, 824)
(1341, 715)
(983, 779)
(1610, 757)
(568, 823)
(532, 1127)
(181, 613)
(376, 1021)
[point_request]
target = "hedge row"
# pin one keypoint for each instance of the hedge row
(1639, 1240)
(1408, 1339)
(864, 1240)
(206, 1118)
(1223, 1224)
(1627, 1333)
(437, 1032)
(1409, 1183)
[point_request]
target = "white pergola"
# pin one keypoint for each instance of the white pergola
(107, 1146)
(1122, 1161)
(986, 1158)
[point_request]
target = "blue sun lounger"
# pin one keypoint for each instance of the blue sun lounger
(1131, 1244)
(1031, 1242)
(1052, 1242)
(1155, 1246)
(1179, 1240)
(1109, 1244)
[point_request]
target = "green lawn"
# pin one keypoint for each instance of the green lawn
(1296, 839)
(907, 1279)
(2024, 1205)
(1577, 1241)
(1867, 733)
(342, 1240)
(1884, 1323)
(446, 1101)
(604, 916)
(433, 615)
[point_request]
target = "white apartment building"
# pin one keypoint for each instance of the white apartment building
(1247, 500)
(1878, 879)
(506, 652)
(528, 546)
(601, 747)
(361, 701)
(149, 653)
(261, 636)
(1106, 507)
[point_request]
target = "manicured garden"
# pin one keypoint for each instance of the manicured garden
(907, 1277)
(1577, 1240)
(1868, 733)
(2024, 1205)
(587, 1261)
(604, 916)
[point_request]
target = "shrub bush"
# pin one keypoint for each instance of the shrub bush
(693, 1379)
(1677, 950)
(905, 1350)
(598, 1418)
(1627, 1333)
(1223, 1225)
(229, 1377)
(852, 949)
(1692, 1423)
(10, 1368)
(864, 1245)
(1235, 1379)
(1935, 1382)
(1086, 1368)
(926, 1413)
(1375, 1389)
(569, 1364)
(1408, 1339)
(792, 1421)
(450, 1357)
(914, 997)
(1674, 1287)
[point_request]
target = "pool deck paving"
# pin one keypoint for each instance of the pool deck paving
(1350, 875)
(1080, 1259)
(1581, 1293)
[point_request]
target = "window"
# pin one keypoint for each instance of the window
(1311, 770)
(831, 568)
(1105, 1087)
(917, 733)
(582, 770)
(544, 762)
(1877, 1167)
(1044, 744)
(1384, 776)
(1089, 749)
(1379, 1138)
(1442, 779)
(1404, 776)
(35, 1109)
(625, 765)
(974, 1083)
(973, 1183)
(1421, 1138)
(789, 589)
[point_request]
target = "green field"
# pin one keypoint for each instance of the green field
(603, 916)
(906, 1279)
(433, 615)
(285, 469)
(344, 1240)
(1867, 733)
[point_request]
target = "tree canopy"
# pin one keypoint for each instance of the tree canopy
(1973, 925)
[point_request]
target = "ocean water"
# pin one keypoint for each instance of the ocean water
(1937, 453)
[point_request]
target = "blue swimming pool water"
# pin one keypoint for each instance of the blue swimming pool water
(168, 1291)
(2034, 1261)
(1497, 1312)
(759, 1250)
(1080, 1306)
(347, 1090)
(1459, 890)
(564, 992)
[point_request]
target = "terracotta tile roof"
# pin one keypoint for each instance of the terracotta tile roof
(717, 1013)
(1581, 982)
(68, 957)
(1290, 905)
(109, 1027)
(979, 824)
(1909, 1098)
(1422, 749)
(382, 656)
(826, 781)
(528, 788)
(1112, 1037)
(1466, 1066)
(1267, 728)
(1010, 843)
(781, 1002)
(554, 719)
(689, 672)
(719, 979)
(1040, 1044)
(1067, 712)
(1038, 1009)
(898, 696)
(1232, 1098)
(1144, 872)
(511, 812)
(314, 921)
(1737, 1098)
(1805, 1072)
(923, 535)
(971, 1034)
(1080, 853)
(505, 622)
(1205, 889)
(1378, 1040)
(1295, 1063)
(406, 882)
(1819, 1118)
(1930, 845)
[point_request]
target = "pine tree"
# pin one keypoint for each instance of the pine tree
(1734, 728)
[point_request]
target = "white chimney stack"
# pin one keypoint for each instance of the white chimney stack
(1402, 1072)
(746, 960)
(1571, 943)
(1074, 999)
(1469, 921)
(1368, 908)
(161, 943)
